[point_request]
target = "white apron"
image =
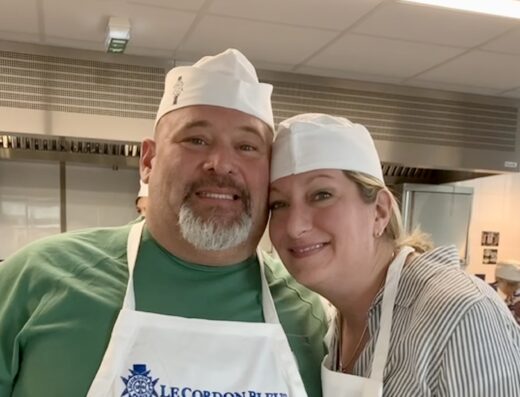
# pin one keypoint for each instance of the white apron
(338, 384)
(155, 355)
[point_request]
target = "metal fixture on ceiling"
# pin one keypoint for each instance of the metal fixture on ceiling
(76, 150)
(118, 35)
(126, 154)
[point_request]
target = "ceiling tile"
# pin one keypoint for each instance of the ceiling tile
(393, 41)
(150, 27)
(77, 20)
(326, 14)
(20, 37)
(453, 87)
(188, 5)
(75, 43)
(164, 53)
(512, 94)
(164, 29)
(433, 25)
(345, 74)
(508, 43)
(378, 56)
(267, 42)
(18, 16)
(479, 69)
(279, 67)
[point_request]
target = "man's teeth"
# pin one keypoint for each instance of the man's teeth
(307, 249)
(218, 196)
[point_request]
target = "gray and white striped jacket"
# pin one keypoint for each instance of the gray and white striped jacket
(452, 335)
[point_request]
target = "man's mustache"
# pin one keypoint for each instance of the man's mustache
(219, 181)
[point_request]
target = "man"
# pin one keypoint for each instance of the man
(141, 202)
(180, 305)
(507, 284)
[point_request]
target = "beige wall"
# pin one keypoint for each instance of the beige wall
(496, 208)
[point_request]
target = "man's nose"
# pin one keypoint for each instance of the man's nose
(220, 161)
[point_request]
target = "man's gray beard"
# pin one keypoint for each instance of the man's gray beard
(212, 235)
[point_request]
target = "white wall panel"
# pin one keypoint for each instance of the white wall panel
(29, 203)
(99, 196)
(495, 209)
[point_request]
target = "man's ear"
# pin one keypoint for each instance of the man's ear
(146, 159)
(383, 212)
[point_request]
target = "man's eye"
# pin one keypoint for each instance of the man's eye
(197, 141)
(275, 205)
(321, 196)
(247, 148)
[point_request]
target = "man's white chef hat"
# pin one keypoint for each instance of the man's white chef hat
(227, 79)
(313, 141)
(508, 270)
(143, 189)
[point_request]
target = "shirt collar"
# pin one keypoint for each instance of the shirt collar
(418, 271)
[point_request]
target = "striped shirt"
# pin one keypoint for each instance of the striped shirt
(451, 334)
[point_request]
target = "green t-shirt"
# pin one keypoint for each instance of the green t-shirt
(60, 297)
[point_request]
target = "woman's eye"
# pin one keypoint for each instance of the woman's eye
(321, 196)
(275, 205)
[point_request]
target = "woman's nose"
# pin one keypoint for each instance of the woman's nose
(299, 221)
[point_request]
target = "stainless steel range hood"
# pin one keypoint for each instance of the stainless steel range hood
(55, 105)
(26, 147)
(422, 136)
(126, 155)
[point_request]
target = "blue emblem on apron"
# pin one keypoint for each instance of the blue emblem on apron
(139, 383)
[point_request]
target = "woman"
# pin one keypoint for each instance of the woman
(409, 321)
(507, 283)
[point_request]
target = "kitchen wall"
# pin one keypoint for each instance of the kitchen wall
(100, 196)
(496, 208)
(31, 205)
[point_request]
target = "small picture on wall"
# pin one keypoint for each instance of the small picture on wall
(481, 276)
(490, 239)
(490, 256)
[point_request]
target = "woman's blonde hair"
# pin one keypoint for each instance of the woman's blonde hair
(368, 188)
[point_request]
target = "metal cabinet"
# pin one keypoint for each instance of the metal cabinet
(443, 211)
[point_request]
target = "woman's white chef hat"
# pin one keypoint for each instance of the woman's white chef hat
(228, 80)
(143, 189)
(508, 270)
(313, 141)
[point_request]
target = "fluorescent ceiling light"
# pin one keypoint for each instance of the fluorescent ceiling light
(502, 8)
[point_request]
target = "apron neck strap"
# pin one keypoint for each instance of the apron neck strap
(132, 248)
(387, 308)
(269, 309)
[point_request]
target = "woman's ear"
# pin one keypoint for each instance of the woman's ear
(383, 207)
(146, 159)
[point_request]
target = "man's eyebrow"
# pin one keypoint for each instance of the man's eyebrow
(252, 130)
(195, 124)
(204, 124)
